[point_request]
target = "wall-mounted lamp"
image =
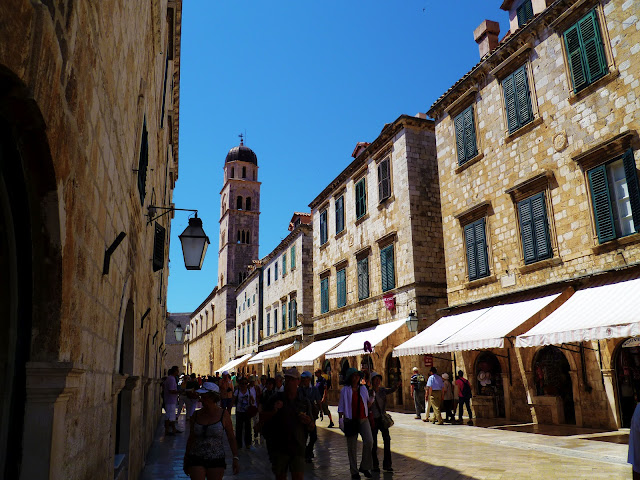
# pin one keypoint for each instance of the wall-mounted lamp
(412, 322)
(296, 345)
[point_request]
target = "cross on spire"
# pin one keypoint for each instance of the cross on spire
(241, 139)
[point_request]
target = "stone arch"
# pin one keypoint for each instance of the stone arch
(565, 364)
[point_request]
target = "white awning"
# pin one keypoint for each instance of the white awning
(233, 363)
(354, 343)
(427, 340)
(308, 354)
(273, 353)
(596, 313)
(490, 329)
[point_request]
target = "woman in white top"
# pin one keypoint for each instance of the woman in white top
(353, 410)
(244, 397)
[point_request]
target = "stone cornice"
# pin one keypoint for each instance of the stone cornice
(49, 381)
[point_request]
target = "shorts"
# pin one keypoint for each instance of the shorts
(281, 463)
(226, 402)
(325, 408)
(170, 408)
(197, 461)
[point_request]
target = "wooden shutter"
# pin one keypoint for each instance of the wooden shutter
(158, 247)
(324, 295)
(526, 230)
(540, 226)
(602, 211)
(384, 183)
(284, 264)
(508, 85)
(525, 13)
(339, 214)
(323, 228)
(469, 134)
(525, 113)
(481, 249)
(591, 40)
(387, 268)
(293, 257)
(341, 287)
(470, 242)
(632, 186)
(361, 199)
(574, 54)
(363, 278)
(459, 127)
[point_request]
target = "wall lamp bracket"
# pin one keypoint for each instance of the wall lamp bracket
(109, 251)
(153, 210)
(144, 316)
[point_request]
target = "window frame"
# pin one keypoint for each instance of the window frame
(360, 201)
(293, 257)
(324, 295)
(530, 92)
(363, 261)
(384, 267)
(473, 226)
(535, 235)
(523, 13)
(339, 213)
(468, 120)
(324, 228)
(381, 194)
(341, 287)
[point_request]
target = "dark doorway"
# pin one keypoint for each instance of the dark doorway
(627, 365)
(394, 375)
(551, 375)
(489, 381)
(344, 366)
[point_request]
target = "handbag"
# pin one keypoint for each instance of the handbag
(385, 420)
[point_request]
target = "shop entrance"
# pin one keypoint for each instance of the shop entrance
(627, 366)
(551, 375)
(489, 383)
(394, 375)
(344, 366)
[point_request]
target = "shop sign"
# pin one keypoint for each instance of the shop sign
(428, 361)
(389, 302)
(632, 342)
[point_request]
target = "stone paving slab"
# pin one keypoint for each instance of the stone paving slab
(426, 451)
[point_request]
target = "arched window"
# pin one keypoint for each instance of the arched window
(231, 172)
(248, 237)
(239, 233)
(244, 237)
(239, 203)
(244, 172)
(248, 203)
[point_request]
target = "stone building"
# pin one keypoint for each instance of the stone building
(175, 348)
(378, 252)
(537, 155)
(89, 95)
(248, 314)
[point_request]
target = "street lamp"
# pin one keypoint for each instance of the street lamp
(194, 244)
(296, 345)
(179, 333)
(412, 322)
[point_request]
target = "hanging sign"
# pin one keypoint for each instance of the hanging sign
(631, 342)
(428, 361)
(389, 302)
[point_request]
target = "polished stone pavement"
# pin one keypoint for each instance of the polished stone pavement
(421, 450)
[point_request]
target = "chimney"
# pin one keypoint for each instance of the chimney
(486, 36)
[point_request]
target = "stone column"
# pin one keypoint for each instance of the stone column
(49, 387)
(577, 405)
(507, 395)
(611, 394)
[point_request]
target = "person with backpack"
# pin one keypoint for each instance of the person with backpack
(418, 384)
(464, 389)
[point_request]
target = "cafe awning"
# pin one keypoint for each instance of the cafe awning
(234, 363)
(273, 353)
(596, 313)
(490, 329)
(310, 353)
(427, 340)
(354, 343)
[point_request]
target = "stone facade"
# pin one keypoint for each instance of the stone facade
(248, 314)
(89, 116)
(572, 129)
(402, 216)
(175, 348)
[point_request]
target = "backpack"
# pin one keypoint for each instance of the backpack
(422, 382)
(466, 389)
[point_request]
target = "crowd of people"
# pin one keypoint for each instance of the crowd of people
(281, 414)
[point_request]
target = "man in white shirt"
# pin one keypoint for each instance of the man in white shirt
(434, 395)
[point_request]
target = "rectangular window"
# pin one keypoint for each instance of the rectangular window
(615, 196)
(361, 198)
(465, 136)
(384, 180)
(244, 332)
(268, 276)
(524, 12)
(275, 271)
(284, 264)
(323, 228)
(293, 313)
(339, 214)
(585, 51)
(517, 99)
(238, 337)
(143, 162)
(293, 257)
(284, 315)
(387, 269)
(476, 244)
(253, 332)
(268, 324)
(275, 320)
(534, 229)
(324, 295)
(341, 287)
(158, 247)
(363, 278)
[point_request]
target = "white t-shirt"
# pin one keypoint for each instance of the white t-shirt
(244, 399)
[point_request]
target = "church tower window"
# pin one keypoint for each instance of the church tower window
(239, 203)
(248, 203)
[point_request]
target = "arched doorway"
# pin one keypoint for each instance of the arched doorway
(489, 381)
(551, 377)
(124, 401)
(394, 375)
(344, 366)
(627, 368)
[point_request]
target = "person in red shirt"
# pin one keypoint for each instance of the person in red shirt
(464, 396)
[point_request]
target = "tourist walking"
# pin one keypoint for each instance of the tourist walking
(323, 388)
(286, 423)
(310, 392)
(381, 422)
(353, 411)
(244, 398)
(170, 392)
(434, 395)
(418, 383)
(447, 398)
(226, 391)
(190, 387)
(204, 456)
(464, 398)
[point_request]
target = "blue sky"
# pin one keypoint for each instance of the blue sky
(306, 81)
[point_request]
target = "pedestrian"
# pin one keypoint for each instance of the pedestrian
(434, 395)
(353, 412)
(633, 457)
(286, 423)
(323, 388)
(464, 398)
(418, 383)
(243, 399)
(217, 376)
(234, 380)
(279, 383)
(310, 392)
(182, 394)
(170, 389)
(379, 409)
(447, 398)
(204, 456)
(191, 385)
(226, 391)
(253, 410)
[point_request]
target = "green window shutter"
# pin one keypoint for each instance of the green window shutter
(323, 228)
(284, 316)
(524, 12)
(384, 180)
(361, 198)
(602, 211)
(341, 286)
(293, 257)
(275, 271)
(339, 214)
(526, 231)
(481, 249)
(631, 175)
(469, 134)
(459, 127)
(591, 40)
(470, 242)
(275, 320)
(574, 54)
(509, 88)
(363, 278)
(284, 264)
(387, 268)
(525, 113)
(158, 247)
(324, 295)
(540, 227)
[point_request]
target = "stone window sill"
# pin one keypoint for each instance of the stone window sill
(532, 267)
(324, 245)
(341, 234)
(386, 201)
(467, 164)
(616, 243)
(480, 282)
(601, 82)
(522, 130)
(362, 218)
